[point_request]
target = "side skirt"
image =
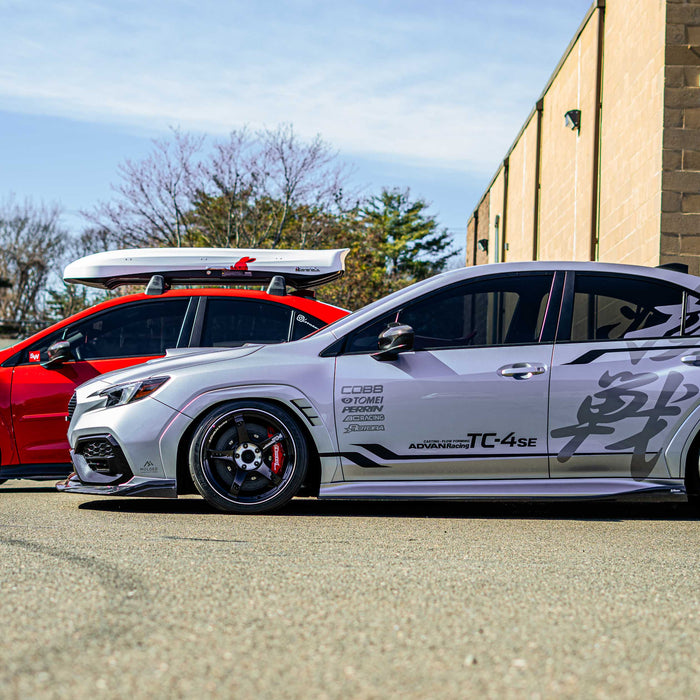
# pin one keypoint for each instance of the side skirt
(508, 489)
(36, 471)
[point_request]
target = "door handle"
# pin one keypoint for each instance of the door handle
(521, 370)
(693, 360)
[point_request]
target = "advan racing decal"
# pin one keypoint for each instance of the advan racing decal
(362, 408)
(488, 441)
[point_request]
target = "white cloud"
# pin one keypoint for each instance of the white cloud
(447, 85)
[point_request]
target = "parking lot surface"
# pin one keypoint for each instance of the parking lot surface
(146, 598)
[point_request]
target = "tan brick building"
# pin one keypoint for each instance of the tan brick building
(623, 185)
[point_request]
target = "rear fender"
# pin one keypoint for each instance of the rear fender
(676, 453)
(314, 420)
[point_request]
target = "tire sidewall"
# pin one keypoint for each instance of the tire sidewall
(290, 487)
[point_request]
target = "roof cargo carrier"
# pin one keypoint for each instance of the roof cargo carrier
(301, 269)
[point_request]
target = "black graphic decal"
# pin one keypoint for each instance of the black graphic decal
(620, 399)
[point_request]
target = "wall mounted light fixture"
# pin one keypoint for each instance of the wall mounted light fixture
(483, 245)
(572, 119)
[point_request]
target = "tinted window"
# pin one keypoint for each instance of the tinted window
(495, 311)
(304, 324)
(611, 308)
(130, 330)
(232, 322)
(692, 315)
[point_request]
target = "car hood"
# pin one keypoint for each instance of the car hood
(174, 360)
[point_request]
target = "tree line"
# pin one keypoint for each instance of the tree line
(253, 189)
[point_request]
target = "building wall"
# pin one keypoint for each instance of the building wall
(566, 198)
(478, 229)
(680, 207)
(520, 215)
(632, 131)
(598, 191)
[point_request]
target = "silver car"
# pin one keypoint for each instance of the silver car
(518, 380)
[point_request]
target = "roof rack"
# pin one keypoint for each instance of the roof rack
(301, 269)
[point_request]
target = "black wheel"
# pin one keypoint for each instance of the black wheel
(248, 457)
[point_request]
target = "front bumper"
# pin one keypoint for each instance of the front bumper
(136, 486)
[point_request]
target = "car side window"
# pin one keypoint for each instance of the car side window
(612, 308)
(131, 330)
(489, 312)
(230, 322)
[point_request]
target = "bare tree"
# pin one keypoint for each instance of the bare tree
(32, 243)
(266, 188)
(154, 195)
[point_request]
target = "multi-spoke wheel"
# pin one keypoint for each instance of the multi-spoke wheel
(248, 457)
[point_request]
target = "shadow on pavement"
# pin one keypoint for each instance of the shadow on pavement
(309, 507)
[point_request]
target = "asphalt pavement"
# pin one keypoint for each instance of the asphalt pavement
(145, 598)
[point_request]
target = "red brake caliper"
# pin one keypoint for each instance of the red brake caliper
(277, 455)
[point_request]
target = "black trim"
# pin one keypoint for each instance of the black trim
(385, 453)
(198, 325)
(567, 309)
(356, 457)
(187, 323)
(551, 319)
(36, 471)
(592, 355)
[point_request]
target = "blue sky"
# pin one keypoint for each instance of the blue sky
(413, 94)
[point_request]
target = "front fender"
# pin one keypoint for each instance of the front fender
(318, 421)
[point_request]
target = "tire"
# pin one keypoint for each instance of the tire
(248, 457)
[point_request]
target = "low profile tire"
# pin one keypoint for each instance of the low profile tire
(248, 457)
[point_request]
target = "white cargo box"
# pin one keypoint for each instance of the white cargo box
(302, 269)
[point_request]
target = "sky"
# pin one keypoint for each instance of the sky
(424, 95)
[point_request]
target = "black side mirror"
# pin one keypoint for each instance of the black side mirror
(57, 353)
(393, 340)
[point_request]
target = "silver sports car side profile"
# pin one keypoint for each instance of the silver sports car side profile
(517, 380)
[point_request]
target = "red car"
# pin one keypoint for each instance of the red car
(39, 374)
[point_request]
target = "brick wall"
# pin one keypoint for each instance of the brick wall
(680, 205)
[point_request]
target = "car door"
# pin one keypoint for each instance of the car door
(624, 375)
(470, 401)
(119, 337)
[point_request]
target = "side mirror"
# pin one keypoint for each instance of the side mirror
(393, 340)
(58, 353)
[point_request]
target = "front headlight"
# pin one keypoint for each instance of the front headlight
(121, 394)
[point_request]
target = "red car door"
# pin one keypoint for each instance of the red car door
(119, 337)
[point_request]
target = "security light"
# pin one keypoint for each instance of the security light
(483, 245)
(572, 119)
